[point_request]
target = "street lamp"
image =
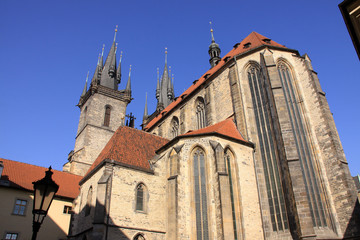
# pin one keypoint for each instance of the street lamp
(44, 192)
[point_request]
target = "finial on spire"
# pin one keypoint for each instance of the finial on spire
(130, 71)
(165, 55)
(212, 32)
(169, 71)
(99, 59)
(116, 29)
(116, 47)
(145, 109)
(102, 51)
(120, 56)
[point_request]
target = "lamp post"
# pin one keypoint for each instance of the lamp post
(44, 193)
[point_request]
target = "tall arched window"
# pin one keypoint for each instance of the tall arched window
(229, 161)
(306, 156)
(107, 116)
(88, 201)
(201, 211)
(200, 113)
(174, 127)
(268, 150)
(141, 193)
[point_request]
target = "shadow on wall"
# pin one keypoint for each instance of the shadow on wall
(352, 231)
(99, 225)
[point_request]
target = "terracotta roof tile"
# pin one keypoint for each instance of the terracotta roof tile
(255, 39)
(131, 147)
(226, 128)
(22, 175)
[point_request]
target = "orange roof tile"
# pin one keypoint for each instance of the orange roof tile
(226, 128)
(22, 175)
(255, 39)
(131, 147)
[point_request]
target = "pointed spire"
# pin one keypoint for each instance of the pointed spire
(108, 76)
(128, 84)
(165, 55)
(145, 109)
(118, 70)
(102, 57)
(214, 49)
(85, 87)
(157, 86)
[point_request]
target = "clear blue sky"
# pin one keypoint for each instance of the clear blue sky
(47, 47)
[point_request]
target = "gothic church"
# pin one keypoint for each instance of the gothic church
(249, 151)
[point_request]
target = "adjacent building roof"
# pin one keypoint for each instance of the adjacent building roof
(251, 42)
(130, 147)
(226, 128)
(21, 176)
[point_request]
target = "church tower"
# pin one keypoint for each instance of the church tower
(214, 50)
(164, 88)
(102, 111)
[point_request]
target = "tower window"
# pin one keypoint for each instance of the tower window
(200, 113)
(107, 116)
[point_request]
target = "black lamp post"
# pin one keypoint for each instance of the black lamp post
(44, 193)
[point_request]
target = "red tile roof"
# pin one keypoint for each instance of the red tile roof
(131, 147)
(226, 128)
(22, 175)
(255, 39)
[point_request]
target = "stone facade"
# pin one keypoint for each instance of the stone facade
(284, 176)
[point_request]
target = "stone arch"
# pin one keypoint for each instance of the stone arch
(139, 236)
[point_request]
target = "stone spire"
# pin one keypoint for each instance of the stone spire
(214, 50)
(85, 87)
(108, 76)
(118, 70)
(145, 109)
(98, 70)
(157, 86)
(164, 91)
(128, 84)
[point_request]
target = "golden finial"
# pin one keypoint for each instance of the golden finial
(165, 55)
(212, 32)
(116, 29)
(116, 47)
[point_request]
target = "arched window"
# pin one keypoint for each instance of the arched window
(107, 116)
(139, 237)
(174, 127)
(88, 201)
(229, 161)
(306, 156)
(201, 211)
(268, 150)
(141, 193)
(200, 113)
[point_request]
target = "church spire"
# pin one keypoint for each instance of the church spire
(118, 70)
(128, 84)
(85, 87)
(145, 109)
(108, 76)
(214, 49)
(157, 94)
